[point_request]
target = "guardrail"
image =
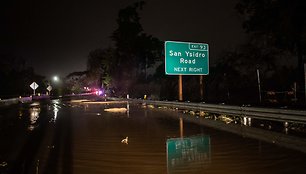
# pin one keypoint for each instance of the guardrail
(289, 141)
(275, 114)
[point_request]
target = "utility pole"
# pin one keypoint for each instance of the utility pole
(259, 89)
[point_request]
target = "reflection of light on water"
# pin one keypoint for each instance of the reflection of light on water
(55, 101)
(56, 108)
(20, 113)
(286, 124)
(31, 127)
(34, 115)
(128, 109)
(85, 107)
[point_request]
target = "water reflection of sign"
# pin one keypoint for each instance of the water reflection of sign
(190, 153)
(34, 115)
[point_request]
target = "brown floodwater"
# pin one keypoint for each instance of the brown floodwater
(64, 137)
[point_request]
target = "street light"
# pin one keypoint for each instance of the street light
(55, 78)
(57, 91)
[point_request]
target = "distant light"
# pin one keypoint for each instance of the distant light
(55, 78)
(100, 92)
(86, 88)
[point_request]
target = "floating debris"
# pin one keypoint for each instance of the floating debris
(185, 111)
(226, 119)
(202, 113)
(117, 110)
(150, 106)
(162, 107)
(125, 140)
(3, 164)
(192, 113)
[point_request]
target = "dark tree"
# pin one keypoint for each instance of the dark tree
(15, 77)
(100, 66)
(75, 82)
(135, 51)
(277, 24)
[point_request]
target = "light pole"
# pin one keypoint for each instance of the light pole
(56, 83)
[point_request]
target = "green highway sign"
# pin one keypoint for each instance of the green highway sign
(186, 58)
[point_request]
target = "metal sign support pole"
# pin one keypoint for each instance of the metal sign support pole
(180, 88)
(201, 88)
(34, 88)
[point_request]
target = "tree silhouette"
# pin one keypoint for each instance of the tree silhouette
(100, 65)
(15, 77)
(277, 24)
(135, 51)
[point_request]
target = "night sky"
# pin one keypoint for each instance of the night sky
(55, 37)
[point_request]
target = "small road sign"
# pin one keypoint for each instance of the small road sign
(49, 88)
(34, 86)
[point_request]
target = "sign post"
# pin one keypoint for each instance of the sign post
(201, 88)
(186, 58)
(34, 86)
(180, 88)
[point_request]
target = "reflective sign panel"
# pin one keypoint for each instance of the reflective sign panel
(186, 58)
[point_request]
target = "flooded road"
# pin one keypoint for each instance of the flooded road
(76, 138)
